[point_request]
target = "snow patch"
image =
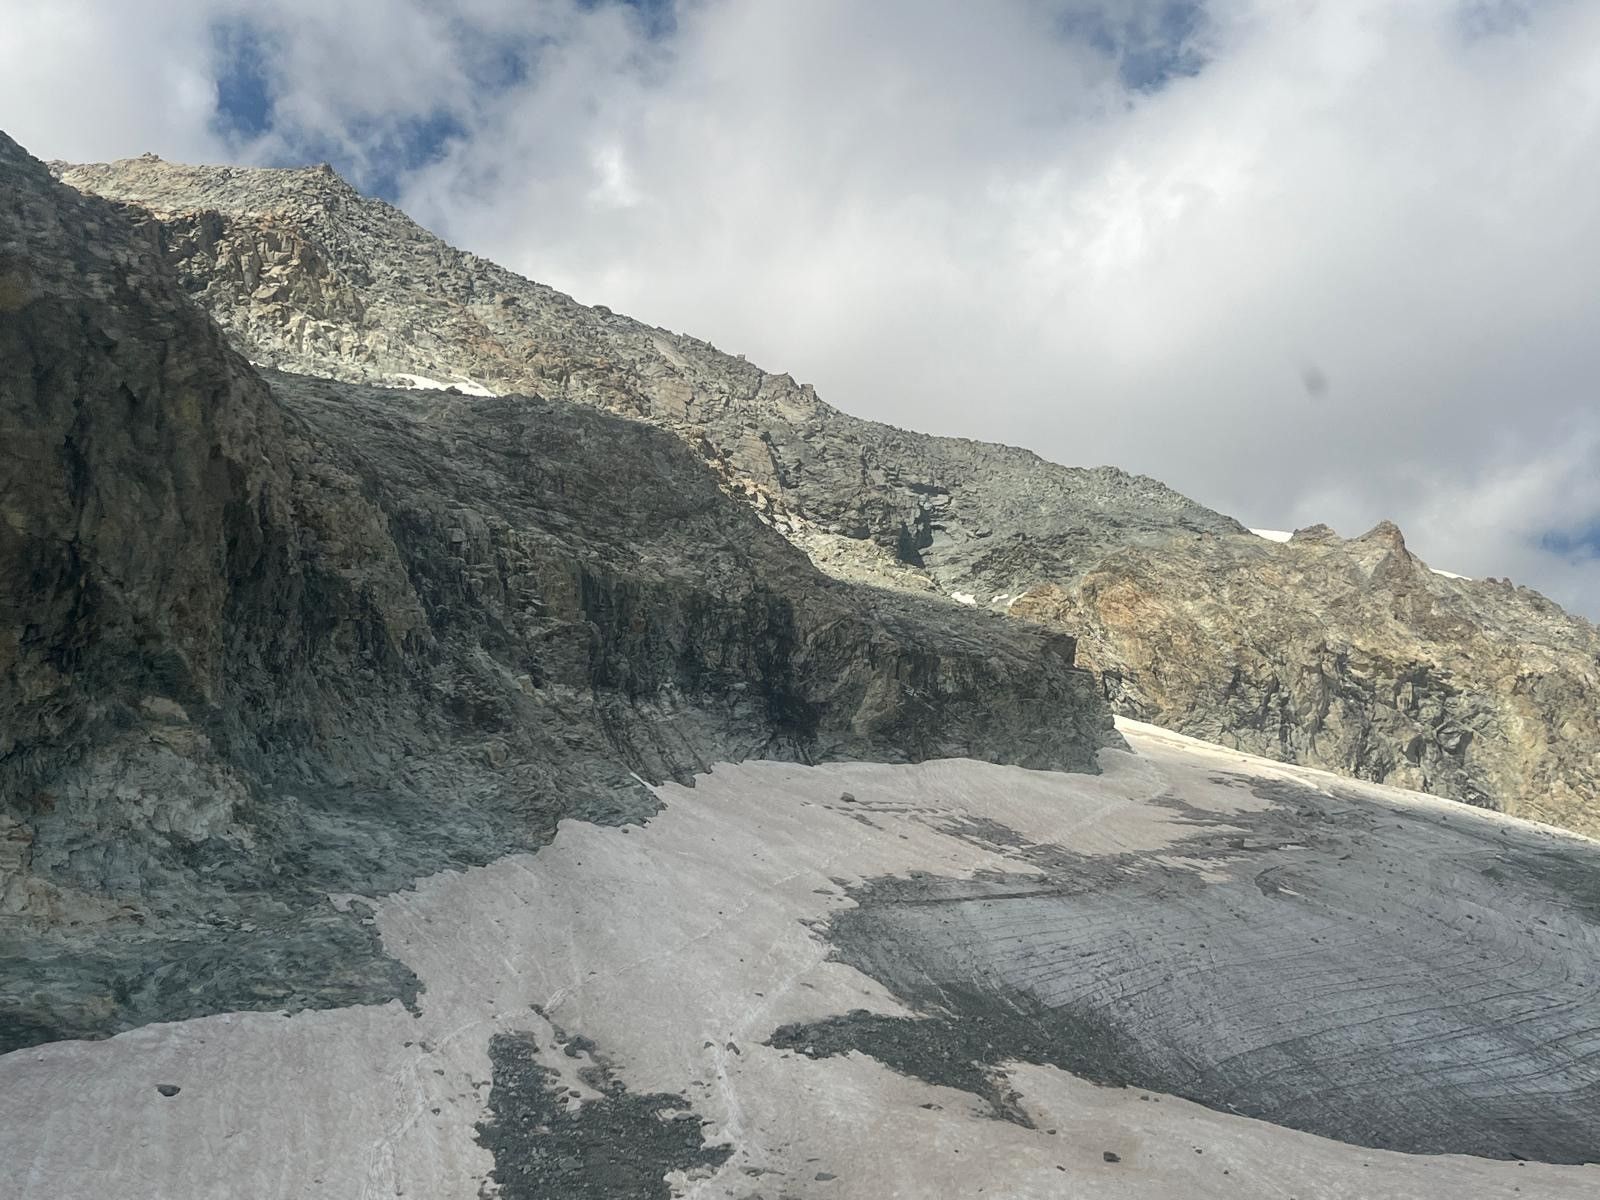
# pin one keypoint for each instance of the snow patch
(1448, 574)
(470, 387)
(963, 597)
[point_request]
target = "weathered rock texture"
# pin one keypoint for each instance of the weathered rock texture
(1351, 655)
(306, 274)
(1344, 655)
(263, 640)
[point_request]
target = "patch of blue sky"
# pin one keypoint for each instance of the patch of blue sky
(1579, 543)
(389, 146)
(244, 89)
(406, 145)
(377, 152)
(1493, 18)
(657, 18)
(1151, 44)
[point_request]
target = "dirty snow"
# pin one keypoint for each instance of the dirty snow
(678, 947)
(461, 383)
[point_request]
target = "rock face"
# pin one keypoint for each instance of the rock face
(306, 274)
(1350, 655)
(263, 640)
(1341, 654)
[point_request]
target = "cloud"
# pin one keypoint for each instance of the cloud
(1305, 261)
(90, 79)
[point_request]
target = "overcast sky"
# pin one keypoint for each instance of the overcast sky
(1303, 260)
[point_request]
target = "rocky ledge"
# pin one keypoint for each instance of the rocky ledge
(265, 639)
(1349, 654)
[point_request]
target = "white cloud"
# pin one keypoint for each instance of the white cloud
(87, 79)
(1343, 272)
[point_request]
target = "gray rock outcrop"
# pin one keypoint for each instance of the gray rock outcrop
(266, 639)
(307, 275)
(1351, 655)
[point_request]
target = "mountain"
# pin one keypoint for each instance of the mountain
(1349, 653)
(1345, 654)
(307, 275)
(265, 638)
(408, 791)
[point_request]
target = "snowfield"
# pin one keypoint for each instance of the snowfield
(743, 957)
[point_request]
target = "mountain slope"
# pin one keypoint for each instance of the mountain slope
(309, 276)
(267, 639)
(1469, 689)
(1353, 654)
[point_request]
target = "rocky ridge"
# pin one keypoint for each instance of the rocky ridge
(266, 639)
(307, 275)
(1348, 655)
